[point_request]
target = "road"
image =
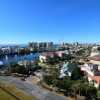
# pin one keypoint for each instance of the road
(32, 89)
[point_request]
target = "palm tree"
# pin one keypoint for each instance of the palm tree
(75, 88)
(84, 89)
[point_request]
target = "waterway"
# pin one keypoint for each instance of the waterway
(16, 58)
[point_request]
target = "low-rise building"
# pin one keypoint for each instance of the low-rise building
(44, 56)
(67, 69)
(92, 67)
(92, 73)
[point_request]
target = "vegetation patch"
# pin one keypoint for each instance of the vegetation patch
(5, 96)
(13, 92)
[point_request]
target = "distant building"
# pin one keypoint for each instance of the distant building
(40, 45)
(49, 45)
(33, 45)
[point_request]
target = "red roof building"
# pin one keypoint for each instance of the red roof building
(95, 58)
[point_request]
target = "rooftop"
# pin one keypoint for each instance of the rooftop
(95, 58)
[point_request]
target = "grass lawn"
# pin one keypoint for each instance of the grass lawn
(13, 90)
(98, 94)
(5, 96)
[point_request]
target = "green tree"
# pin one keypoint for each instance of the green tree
(98, 48)
(67, 57)
(84, 89)
(76, 74)
(65, 85)
(15, 68)
(53, 60)
(80, 52)
(48, 79)
(51, 75)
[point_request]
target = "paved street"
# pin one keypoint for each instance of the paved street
(32, 89)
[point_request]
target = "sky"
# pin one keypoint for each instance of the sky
(22, 21)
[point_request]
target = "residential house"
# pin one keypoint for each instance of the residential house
(92, 68)
(66, 69)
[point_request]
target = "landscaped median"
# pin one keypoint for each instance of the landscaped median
(10, 92)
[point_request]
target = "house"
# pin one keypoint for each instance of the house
(92, 73)
(92, 70)
(66, 69)
(60, 53)
(44, 56)
(63, 70)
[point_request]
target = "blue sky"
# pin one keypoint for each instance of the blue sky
(22, 21)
